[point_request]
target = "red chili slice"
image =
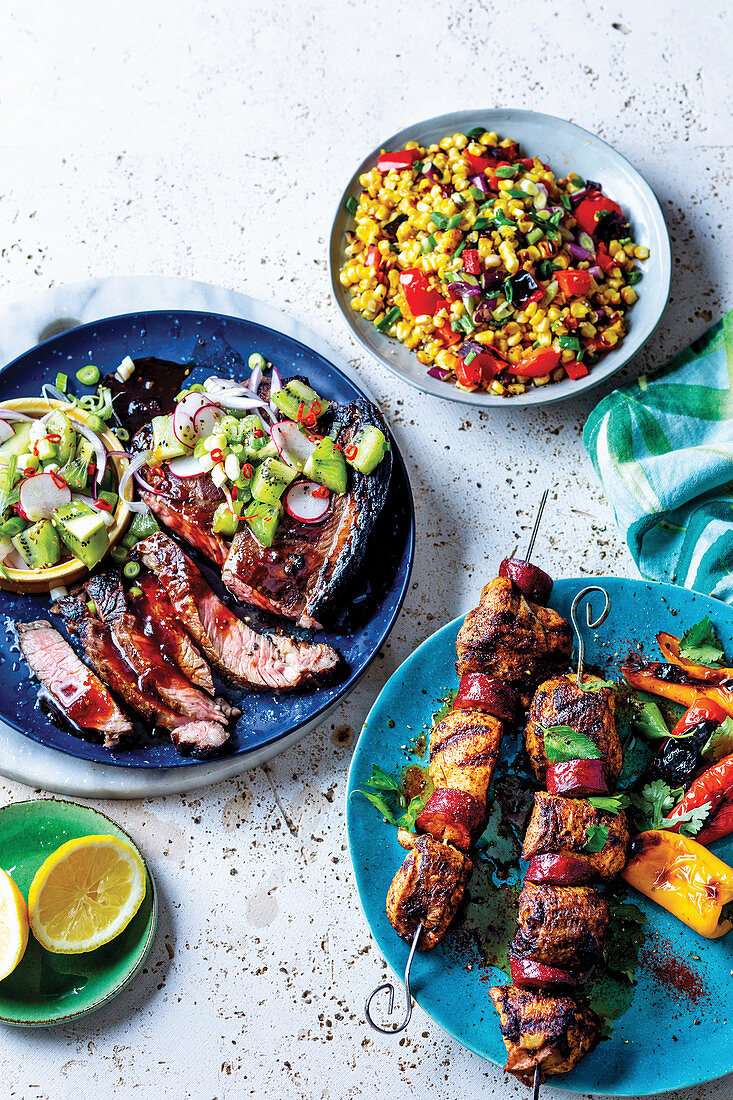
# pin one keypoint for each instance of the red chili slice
(531, 581)
(477, 691)
(528, 974)
(559, 870)
(577, 778)
(351, 451)
(452, 815)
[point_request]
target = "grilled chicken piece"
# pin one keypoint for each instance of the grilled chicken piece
(308, 566)
(159, 622)
(463, 752)
(260, 662)
(185, 504)
(562, 824)
(80, 694)
(538, 1029)
(560, 702)
(112, 667)
(428, 887)
(561, 926)
(155, 674)
(517, 641)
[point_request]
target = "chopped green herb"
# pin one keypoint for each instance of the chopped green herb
(563, 743)
(379, 803)
(720, 742)
(476, 132)
(655, 801)
(621, 953)
(352, 204)
(594, 686)
(409, 817)
(612, 804)
(476, 193)
(634, 277)
(597, 837)
(649, 720)
(700, 643)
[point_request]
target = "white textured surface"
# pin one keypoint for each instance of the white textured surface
(211, 141)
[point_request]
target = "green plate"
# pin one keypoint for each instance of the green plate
(53, 989)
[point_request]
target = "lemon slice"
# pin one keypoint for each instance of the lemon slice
(13, 925)
(85, 894)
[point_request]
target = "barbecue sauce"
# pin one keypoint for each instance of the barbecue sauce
(148, 392)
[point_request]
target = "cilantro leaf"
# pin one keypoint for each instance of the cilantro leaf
(650, 721)
(720, 742)
(562, 743)
(594, 686)
(653, 803)
(626, 935)
(612, 804)
(381, 781)
(380, 804)
(700, 643)
(691, 822)
(411, 814)
(597, 838)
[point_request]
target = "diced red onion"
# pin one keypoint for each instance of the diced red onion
(595, 271)
(119, 454)
(578, 196)
(578, 252)
(465, 290)
(480, 183)
(440, 373)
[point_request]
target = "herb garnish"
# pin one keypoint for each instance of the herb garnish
(701, 644)
(379, 780)
(650, 722)
(562, 743)
(655, 801)
(597, 837)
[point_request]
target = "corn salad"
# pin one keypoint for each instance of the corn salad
(498, 275)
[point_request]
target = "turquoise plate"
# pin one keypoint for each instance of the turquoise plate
(672, 1034)
(52, 989)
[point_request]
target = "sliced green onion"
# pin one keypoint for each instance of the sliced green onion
(389, 319)
(255, 360)
(502, 311)
(552, 233)
(534, 236)
(581, 355)
(480, 224)
(62, 381)
(118, 554)
(634, 277)
(569, 343)
(470, 357)
(429, 244)
(516, 193)
(95, 422)
(477, 194)
(508, 289)
(135, 591)
(454, 222)
(91, 607)
(506, 172)
(88, 376)
(459, 250)
(122, 434)
(351, 204)
(565, 202)
(131, 570)
(439, 219)
(417, 166)
(477, 131)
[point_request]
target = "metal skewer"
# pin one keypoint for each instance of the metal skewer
(538, 520)
(390, 986)
(592, 623)
(536, 1085)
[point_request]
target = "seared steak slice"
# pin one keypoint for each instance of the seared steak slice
(155, 674)
(78, 692)
(260, 662)
(159, 622)
(185, 504)
(199, 738)
(305, 571)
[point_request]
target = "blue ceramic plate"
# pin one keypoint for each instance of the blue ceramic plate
(565, 147)
(220, 344)
(670, 1034)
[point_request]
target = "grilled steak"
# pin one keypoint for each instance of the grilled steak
(113, 668)
(155, 674)
(305, 571)
(260, 662)
(199, 738)
(159, 622)
(79, 693)
(185, 504)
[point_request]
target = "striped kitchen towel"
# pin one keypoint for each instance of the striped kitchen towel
(663, 450)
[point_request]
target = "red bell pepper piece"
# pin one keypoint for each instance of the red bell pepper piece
(577, 778)
(714, 785)
(721, 825)
(484, 366)
(704, 711)
(452, 815)
(403, 158)
(588, 209)
(535, 363)
(573, 283)
(479, 163)
(603, 260)
(527, 162)
(421, 297)
(374, 258)
(576, 370)
(448, 335)
(559, 870)
(478, 691)
(472, 262)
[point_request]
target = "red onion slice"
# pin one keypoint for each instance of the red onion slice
(12, 414)
(136, 464)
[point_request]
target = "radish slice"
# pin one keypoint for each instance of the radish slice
(40, 495)
(205, 419)
(186, 466)
(184, 415)
(302, 504)
(6, 432)
(293, 447)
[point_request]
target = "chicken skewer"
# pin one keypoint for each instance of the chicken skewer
(562, 921)
(429, 887)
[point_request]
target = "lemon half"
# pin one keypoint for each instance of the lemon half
(13, 925)
(85, 894)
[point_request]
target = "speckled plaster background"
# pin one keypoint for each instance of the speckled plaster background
(211, 141)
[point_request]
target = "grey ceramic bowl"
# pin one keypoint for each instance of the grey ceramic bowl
(565, 147)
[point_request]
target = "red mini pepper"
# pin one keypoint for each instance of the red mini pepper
(573, 283)
(402, 158)
(714, 786)
(703, 711)
(472, 261)
(422, 299)
(535, 363)
(720, 825)
(588, 210)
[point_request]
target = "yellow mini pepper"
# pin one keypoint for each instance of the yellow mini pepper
(684, 878)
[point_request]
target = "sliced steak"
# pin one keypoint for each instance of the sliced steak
(155, 674)
(199, 738)
(185, 504)
(80, 694)
(260, 662)
(159, 622)
(304, 573)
